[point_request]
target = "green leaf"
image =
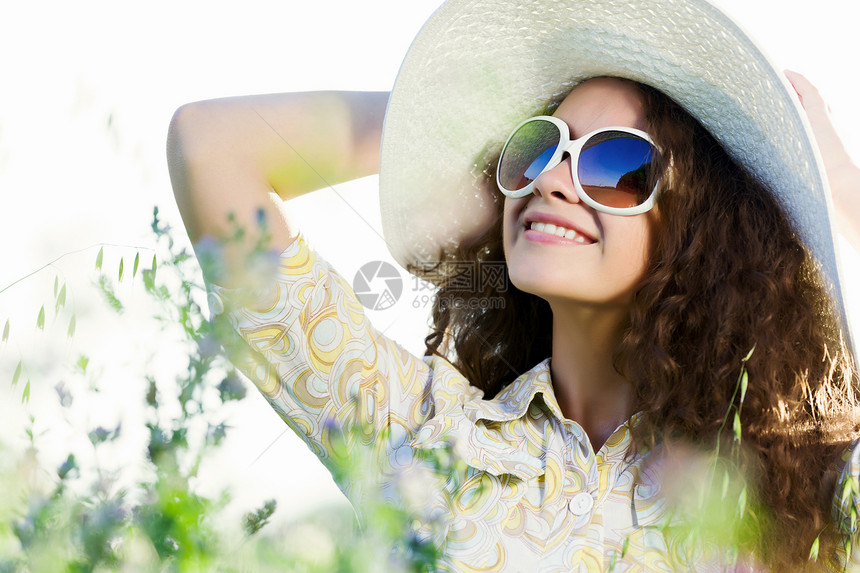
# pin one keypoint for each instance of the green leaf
(82, 363)
(256, 520)
(846, 491)
(110, 297)
(61, 299)
(6, 331)
(25, 397)
(69, 466)
(749, 354)
(154, 267)
(99, 258)
(151, 392)
(136, 264)
(17, 373)
(744, 383)
(148, 281)
(155, 228)
(625, 547)
(72, 325)
(742, 502)
(99, 435)
(813, 551)
(40, 321)
(736, 427)
(119, 274)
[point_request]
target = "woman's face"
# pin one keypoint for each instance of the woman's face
(609, 254)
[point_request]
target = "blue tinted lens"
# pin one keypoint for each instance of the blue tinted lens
(616, 169)
(527, 153)
(539, 164)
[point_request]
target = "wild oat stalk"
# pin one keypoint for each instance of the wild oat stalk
(80, 520)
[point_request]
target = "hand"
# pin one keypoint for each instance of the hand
(842, 173)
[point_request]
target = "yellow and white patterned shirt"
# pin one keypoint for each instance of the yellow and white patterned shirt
(529, 493)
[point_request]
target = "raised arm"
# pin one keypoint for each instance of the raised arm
(842, 173)
(306, 345)
(232, 159)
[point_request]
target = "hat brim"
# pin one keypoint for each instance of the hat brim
(479, 67)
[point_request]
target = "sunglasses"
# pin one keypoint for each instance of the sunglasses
(614, 169)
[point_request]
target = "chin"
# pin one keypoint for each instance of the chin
(533, 283)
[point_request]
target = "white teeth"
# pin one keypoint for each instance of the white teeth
(551, 229)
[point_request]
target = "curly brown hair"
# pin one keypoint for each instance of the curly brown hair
(728, 274)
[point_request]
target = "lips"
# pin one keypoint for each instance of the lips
(547, 226)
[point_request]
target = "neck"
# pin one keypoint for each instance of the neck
(588, 388)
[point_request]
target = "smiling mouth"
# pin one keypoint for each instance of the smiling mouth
(558, 231)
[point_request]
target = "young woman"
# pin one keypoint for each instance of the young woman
(672, 316)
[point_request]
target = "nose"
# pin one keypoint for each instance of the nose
(557, 182)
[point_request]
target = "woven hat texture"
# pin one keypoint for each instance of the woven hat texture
(479, 67)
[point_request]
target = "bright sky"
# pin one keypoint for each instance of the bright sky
(89, 89)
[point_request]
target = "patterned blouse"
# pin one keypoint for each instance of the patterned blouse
(522, 488)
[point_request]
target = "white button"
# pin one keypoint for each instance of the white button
(581, 503)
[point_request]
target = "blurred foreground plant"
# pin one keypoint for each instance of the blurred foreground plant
(83, 517)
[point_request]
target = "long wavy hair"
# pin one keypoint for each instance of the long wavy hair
(728, 274)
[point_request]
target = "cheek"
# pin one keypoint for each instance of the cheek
(629, 244)
(641, 247)
(511, 220)
(512, 208)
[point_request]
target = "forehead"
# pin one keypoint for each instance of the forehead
(602, 102)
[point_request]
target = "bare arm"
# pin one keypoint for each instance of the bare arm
(842, 173)
(237, 157)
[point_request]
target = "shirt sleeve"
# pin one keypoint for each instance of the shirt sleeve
(318, 361)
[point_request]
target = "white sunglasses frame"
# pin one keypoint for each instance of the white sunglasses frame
(573, 148)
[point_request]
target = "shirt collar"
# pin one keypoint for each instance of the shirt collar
(513, 401)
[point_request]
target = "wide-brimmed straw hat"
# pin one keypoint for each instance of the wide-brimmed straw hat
(479, 67)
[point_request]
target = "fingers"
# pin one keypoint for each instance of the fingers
(818, 112)
(809, 95)
(843, 175)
